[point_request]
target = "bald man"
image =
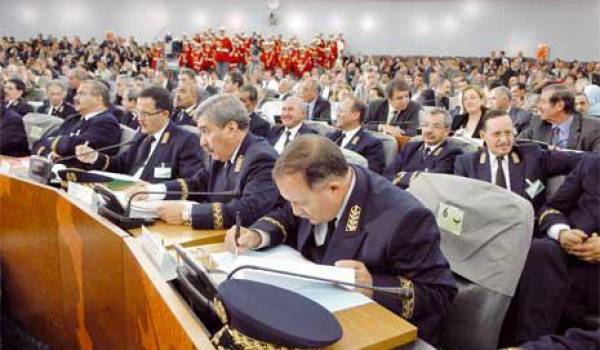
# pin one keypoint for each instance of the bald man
(293, 113)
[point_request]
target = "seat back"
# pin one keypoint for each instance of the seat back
(270, 109)
(553, 184)
(390, 146)
(322, 127)
(355, 158)
(127, 134)
(38, 125)
(486, 246)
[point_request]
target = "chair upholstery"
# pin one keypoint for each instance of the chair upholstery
(390, 146)
(355, 158)
(127, 134)
(37, 125)
(321, 127)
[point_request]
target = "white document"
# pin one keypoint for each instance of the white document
(139, 209)
(115, 176)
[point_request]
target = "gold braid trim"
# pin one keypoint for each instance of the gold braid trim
(55, 144)
(276, 223)
(107, 162)
(546, 213)
(184, 188)
(408, 305)
(398, 177)
(244, 342)
(217, 209)
(41, 150)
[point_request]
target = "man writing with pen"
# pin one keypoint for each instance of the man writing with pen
(240, 162)
(161, 151)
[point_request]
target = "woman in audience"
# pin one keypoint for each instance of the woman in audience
(469, 123)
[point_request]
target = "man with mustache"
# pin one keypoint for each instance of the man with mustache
(522, 169)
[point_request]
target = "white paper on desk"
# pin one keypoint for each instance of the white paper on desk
(284, 258)
(139, 209)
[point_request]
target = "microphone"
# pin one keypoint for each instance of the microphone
(403, 293)
(107, 148)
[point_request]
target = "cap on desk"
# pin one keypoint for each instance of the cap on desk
(262, 316)
(79, 175)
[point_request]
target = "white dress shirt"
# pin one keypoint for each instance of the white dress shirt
(494, 168)
(157, 136)
(391, 113)
(348, 136)
(280, 144)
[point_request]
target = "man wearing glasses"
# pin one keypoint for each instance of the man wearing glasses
(161, 151)
(435, 153)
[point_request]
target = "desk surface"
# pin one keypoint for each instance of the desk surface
(369, 326)
(182, 234)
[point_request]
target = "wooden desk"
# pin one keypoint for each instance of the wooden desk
(182, 234)
(369, 326)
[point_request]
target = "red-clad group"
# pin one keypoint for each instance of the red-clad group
(205, 50)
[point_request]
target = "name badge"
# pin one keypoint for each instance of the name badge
(162, 172)
(534, 188)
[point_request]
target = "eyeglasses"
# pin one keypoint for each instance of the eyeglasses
(149, 114)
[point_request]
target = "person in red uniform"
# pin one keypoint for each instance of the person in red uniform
(223, 49)
(156, 54)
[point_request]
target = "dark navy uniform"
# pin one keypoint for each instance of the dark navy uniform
(574, 339)
(63, 110)
(258, 125)
(413, 159)
(276, 132)
(249, 173)
(13, 139)
(181, 116)
(178, 154)
(20, 107)
(571, 285)
(129, 119)
(101, 130)
(393, 234)
(526, 163)
(366, 145)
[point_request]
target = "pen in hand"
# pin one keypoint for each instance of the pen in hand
(237, 230)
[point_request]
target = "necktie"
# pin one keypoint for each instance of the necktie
(308, 116)
(142, 154)
(340, 139)
(288, 134)
(556, 137)
(427, 151)
(500, 179)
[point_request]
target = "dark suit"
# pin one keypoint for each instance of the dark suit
(20, 107)
(521, 118)
(277, 130)
(129, 119)
(461, 120)
(584, 134)
(250, 174)
(392, 234)
(181, 117)
(13, 139)
(258, 125)
(178, 149)
(574, 339)
(411, 161)
(366, 145)
(407, 120)
(101, 130)
(64, 110)
(526, 162)
(571, 286)
(321, 111)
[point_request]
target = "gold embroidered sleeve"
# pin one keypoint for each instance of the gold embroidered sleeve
(184, 189)
(408, 304)
(278, 224)
(546, 213)
(106, 162)
(217, 210)
(55, 144)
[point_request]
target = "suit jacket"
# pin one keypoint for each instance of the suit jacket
(584, 134)
(367, 146)
(277, 130)
(101, 130)
(178, 149)
(321, 111)
(13, 139)
(20, 107)
(250, 174)
(574, 339)
(393, 234)
(521, 118)
(526, 162)
(577, 201)
(411, 161)
(407, 120)
(129, 119)
(181, 117)
(461, 120)
(258, 125)
(64, 110)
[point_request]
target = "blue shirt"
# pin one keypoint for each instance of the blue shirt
(563, 133)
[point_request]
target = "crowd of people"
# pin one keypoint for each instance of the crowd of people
(201, 108)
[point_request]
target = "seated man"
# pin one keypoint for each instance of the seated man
(130, 115)
(94, 125)
(55, 103)
(249, 97)
(559, 124)
(14, 89)
(293, 113)
(397, 115)
(13, 139)
(566, 262)
(522, 169)
(352, 136)
(317, 108)
(501, 99)
(161, 151)
(186, 102)
(343, 215)
(240, 161)
(434, 154)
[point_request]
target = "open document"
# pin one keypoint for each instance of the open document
(284, 258)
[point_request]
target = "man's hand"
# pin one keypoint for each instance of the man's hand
(569, 239)
(589, 250)
(138, 187)
(85, 153)
(391, 130)
(248, 239)
(171, 212)
(362, 275)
